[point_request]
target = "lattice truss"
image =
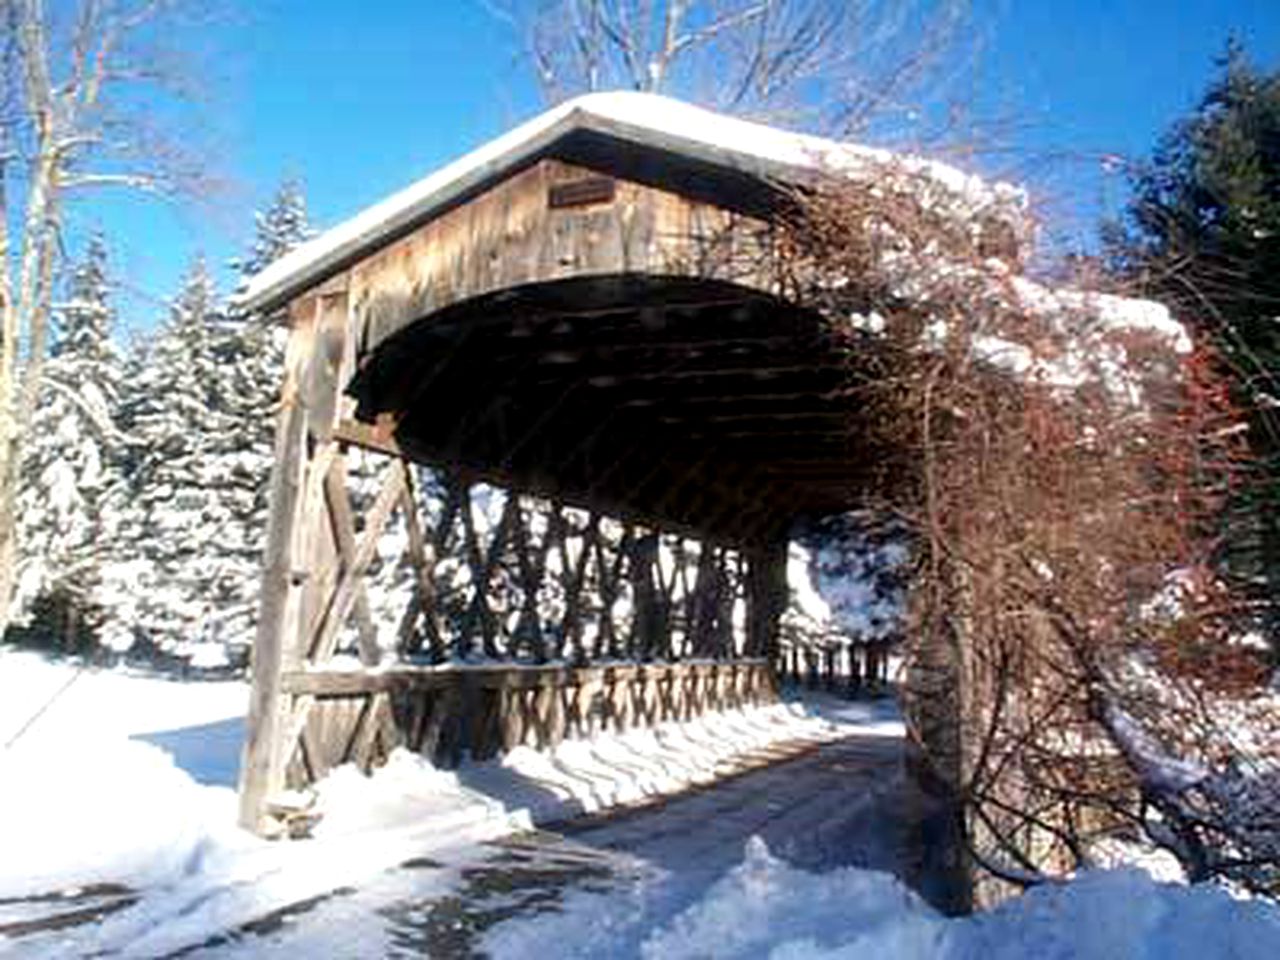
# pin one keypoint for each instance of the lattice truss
(445, 569)
(421, 567)
(415, 607)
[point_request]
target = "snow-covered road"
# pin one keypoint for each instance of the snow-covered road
(597, 887)
(118, 839)
(123, 842)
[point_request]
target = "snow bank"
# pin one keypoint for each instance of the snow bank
(119, 778)
(124, 814)
(766, 908)
(90, 795)
(1119, 913)
(764, 904)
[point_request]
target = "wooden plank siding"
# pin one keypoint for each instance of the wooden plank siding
(512, 235)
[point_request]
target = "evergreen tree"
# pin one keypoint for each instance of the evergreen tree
(1203, 231)
(278, 229)
(180, 538)
(201, 404)
(71, 465)
(253, 347)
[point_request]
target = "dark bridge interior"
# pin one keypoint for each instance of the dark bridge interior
(690, 403)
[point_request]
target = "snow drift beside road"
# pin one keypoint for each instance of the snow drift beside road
(765, 908)
(89, 795)
(126, 779)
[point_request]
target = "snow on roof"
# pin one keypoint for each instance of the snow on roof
(655, 122)
(642, 119)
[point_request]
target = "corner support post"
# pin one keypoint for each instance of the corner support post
(315, 363)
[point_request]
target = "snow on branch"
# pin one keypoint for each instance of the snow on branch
(1160, 773)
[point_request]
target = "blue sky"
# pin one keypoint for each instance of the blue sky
(359, 99)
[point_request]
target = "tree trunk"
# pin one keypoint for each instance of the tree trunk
(29, 314)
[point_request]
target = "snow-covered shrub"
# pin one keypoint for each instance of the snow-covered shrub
(860, 565)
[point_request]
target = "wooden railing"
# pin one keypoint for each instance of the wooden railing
(847, 667)
(451, 712)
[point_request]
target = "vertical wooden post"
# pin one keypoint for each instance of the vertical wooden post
(766, 596)
(646, 624)
(314, 365)
(262, 766)
(705, 603)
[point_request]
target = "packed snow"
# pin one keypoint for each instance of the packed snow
(115, 777)
(764, 908)
(129, 779)
(110, 776)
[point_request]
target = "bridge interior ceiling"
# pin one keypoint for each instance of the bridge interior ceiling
(692, 404)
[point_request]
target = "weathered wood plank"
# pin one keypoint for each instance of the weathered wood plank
(482, 563)
(349, 585)
(367, 436)
(423, 560)
(265, 752)
(344, 534)
(532, 564)
(511, 235)
(343, 682)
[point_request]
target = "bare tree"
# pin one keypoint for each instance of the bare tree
(81, 79)
(1078, 677)
(833, 65)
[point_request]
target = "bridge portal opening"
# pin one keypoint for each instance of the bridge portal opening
(561, 370)
(693, 405)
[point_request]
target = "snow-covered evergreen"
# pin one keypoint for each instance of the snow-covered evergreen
(278, 229)
(71, 465)
(179, 531)
(200, 405)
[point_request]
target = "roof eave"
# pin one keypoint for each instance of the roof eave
(282, 281)
(279, 283)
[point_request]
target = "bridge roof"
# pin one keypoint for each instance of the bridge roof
(720, 150)
(587, 308)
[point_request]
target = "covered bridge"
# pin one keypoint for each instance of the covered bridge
(583, 312)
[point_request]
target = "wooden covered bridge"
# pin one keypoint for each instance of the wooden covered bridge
(582, 313)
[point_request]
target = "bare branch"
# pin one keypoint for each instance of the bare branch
(145, 182)
(828, 64)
